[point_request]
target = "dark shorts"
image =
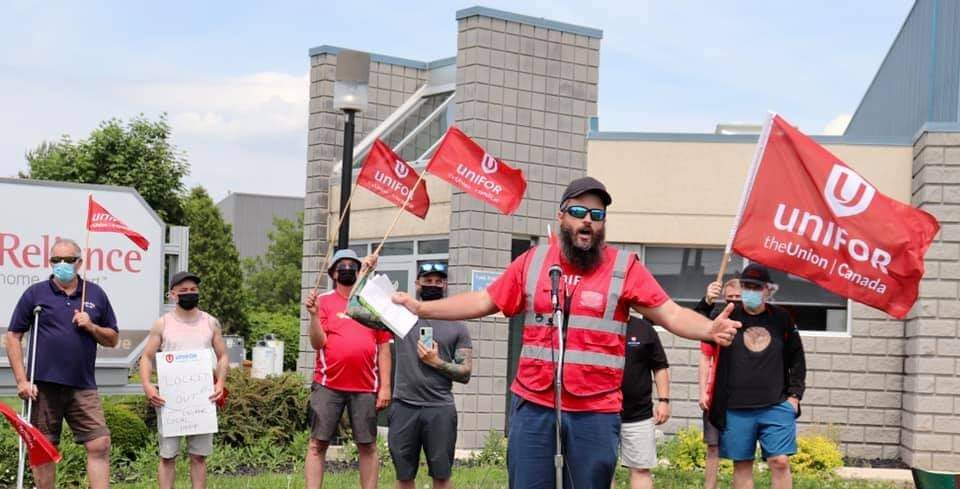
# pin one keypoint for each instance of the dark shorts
(326, 408)
(711, 435)
(79, 407)
(434, 428)
(775, 427)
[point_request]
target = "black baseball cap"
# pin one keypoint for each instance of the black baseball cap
(756, 273)
(181, 276)
(432, 267)
(586, 185)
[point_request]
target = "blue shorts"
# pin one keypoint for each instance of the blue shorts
(775, 427)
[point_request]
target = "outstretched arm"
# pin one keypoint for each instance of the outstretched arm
(469, 305)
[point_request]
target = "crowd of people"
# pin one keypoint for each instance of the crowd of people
(751, 367)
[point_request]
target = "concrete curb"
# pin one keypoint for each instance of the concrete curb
(899, 476)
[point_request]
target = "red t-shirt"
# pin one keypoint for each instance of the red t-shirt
(710, 350)
(348, 360)
(639, 289)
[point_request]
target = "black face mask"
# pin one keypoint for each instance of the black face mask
(430, 292)
(188, 301)
(347, 276)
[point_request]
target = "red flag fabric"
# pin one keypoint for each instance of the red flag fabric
(100, 220)
(809, 214)
(40, 450)
(387, 175)
(464, 164)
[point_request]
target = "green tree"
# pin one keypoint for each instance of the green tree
(215, 259)
(273, 280)
(137, 154)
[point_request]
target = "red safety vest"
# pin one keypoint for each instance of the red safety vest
(593, 363)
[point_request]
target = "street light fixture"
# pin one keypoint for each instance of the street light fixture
(349, 95)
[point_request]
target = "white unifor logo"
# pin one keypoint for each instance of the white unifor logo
(489, 164)
(401, 169)
(847, 193)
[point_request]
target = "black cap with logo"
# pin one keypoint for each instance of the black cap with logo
(586, 185)
(756, 273)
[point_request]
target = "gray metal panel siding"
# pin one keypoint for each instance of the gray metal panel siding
(252, 219)
(918, 80)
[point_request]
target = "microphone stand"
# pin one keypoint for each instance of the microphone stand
(558, 386)
(32, 361)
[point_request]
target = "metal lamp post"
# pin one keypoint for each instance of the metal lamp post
(350, 96)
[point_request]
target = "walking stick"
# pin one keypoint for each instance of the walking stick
(28, 403)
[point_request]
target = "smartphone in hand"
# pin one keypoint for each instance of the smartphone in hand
(426, 336)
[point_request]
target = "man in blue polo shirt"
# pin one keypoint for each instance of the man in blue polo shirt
(67, 338)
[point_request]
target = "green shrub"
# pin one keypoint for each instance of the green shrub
(351, 453)
(494, 452)
(128, 432)
(286, 327)
(687, 451)
(817, 454)
(274, 408)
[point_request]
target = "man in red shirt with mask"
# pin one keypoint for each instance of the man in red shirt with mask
(600, 284)
(352, 373)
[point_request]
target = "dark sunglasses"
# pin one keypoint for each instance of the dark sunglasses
(579, 212)
(346, 267)
(65, 259)
(433, 267)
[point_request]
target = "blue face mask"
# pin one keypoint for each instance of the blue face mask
(752, 299)
(64, 272)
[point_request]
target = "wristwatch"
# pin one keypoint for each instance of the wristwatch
(665, 400)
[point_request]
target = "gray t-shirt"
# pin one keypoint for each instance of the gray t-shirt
(418, 383)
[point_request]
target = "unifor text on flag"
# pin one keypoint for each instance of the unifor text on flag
(809, 214)
(100, 220)
(387, 175)
(466, 165)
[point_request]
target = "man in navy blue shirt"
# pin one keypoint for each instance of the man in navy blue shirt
(67, 338)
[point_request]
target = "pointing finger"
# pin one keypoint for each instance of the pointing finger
(726, 311)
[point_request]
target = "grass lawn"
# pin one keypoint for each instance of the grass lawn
(488, 477)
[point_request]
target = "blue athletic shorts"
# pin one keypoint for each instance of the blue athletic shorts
(775, 427)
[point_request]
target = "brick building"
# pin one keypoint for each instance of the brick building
(526, 89)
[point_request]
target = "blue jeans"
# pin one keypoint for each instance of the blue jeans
(775, 427)
(590, 443)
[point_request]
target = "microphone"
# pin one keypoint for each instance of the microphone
(555, 272)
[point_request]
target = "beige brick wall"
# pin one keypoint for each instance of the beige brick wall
(930, 432)
(525, 93)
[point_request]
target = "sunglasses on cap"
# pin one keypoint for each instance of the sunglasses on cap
(433, 267)
(579, 212)
(64, 259)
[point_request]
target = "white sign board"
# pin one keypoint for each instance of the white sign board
(37, 213)
(186, 384)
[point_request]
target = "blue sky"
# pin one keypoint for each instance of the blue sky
(232, 76)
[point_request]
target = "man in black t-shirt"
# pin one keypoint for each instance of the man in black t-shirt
(638, 444)
(759, 384)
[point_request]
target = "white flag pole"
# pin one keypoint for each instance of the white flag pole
(747, 188)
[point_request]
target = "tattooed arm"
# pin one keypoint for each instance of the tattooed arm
(458, 370)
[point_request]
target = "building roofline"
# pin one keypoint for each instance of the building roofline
(88, 186)
(682, 137)
(384, 58)
(534, 21)
(948, 126)
(268, 196)
(876, 74)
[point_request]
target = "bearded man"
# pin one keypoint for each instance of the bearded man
(601, 284)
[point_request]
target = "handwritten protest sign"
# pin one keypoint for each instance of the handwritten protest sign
(186, 384)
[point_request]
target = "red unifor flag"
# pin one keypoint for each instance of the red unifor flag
(809, 214)
(40, 450)
(464, 164)
(387, 175)
(100, 220)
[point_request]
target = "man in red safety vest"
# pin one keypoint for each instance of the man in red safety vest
(600, 284)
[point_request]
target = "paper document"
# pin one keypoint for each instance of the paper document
(376, 294)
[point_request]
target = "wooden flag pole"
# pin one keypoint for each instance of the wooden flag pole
(396, 219)
(86, 266)
(332, 233)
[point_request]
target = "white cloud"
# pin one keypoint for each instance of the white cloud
(838, 125)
